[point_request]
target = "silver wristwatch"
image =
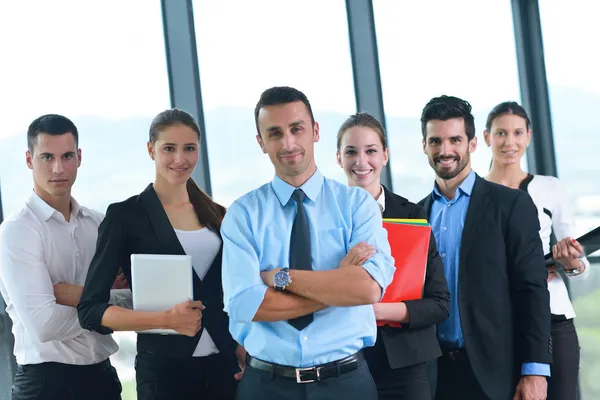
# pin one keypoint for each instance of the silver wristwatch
(575, 271)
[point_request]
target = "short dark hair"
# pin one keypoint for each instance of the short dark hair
(51, 124)
(444, 108)
(363, 119)
(508, 107)
(172, 117)
(281, 95)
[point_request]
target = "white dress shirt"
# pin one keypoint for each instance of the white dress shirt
(555, 214)
(381, 200)
(38, 249)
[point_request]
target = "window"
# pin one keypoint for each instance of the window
(463, 48)
(570, 36)
(299, 44)
(103, 65)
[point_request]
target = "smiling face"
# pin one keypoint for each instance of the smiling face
(54, 162)
(508, 138)
(362, 156)
(175, 153)
(288, 136)
(448, 148)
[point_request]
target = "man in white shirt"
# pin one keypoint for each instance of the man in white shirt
(45, 249)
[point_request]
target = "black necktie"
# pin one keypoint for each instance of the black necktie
(300, 256)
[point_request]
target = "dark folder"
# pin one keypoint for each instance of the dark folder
(590, 243)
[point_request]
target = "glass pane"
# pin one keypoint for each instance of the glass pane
(465, 49)
(240, 57)
(571, 33)
(102, 64)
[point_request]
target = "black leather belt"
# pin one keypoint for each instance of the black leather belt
(308, 374)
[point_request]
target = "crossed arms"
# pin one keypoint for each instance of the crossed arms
(249, 293)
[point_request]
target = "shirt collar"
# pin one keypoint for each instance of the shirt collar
(381, 200)
(312, 188)
(46, 211)
(466, 186)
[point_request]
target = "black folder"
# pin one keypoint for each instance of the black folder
(590, 243)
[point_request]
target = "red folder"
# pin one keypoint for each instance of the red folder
(409, 243)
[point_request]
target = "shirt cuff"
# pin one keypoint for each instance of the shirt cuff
(244, 306)
(530, 368)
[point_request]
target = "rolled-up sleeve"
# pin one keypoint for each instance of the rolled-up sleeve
(368, 227)
(243, 288)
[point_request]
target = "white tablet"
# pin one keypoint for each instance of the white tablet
(159, 282)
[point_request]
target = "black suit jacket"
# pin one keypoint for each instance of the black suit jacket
(502, 292)
(416, 341)
(140, 225)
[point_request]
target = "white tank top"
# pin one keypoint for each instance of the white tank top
(202, 245)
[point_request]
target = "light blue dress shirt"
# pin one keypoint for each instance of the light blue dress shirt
(256, 237)
(447, 221)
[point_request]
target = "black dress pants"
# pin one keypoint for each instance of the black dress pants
(407, 383)
(53, 381)
(199, 378)
(355, 384)
(562, 385)
(456, 380)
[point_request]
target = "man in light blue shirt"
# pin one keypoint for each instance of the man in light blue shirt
(487, 236)
(304, 259)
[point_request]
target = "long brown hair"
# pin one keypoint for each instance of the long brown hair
(209, 212)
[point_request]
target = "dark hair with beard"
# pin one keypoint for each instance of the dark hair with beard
(444, 108)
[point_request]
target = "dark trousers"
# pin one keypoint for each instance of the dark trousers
(562, 385)
(456, 380)
(52, 381)
(407, 383)
(356, 384)
(199, 378)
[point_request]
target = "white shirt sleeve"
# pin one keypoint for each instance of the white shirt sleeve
(28, 285)
(563, 222)
(121, 298)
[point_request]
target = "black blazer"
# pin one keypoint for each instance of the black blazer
(416, 341)
(502, 292)
(140, 225)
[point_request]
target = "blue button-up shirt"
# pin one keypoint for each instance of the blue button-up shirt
(447, 221)
(256, 237)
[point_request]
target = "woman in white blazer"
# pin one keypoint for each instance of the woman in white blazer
(508, 132)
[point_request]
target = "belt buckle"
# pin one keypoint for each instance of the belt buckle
(299, 374)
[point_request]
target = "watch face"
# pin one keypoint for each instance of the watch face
(281, 279)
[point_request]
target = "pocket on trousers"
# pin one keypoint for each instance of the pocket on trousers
(28, 392)
(27, 385)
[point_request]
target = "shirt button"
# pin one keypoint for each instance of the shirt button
(442, 335)
(444, 228)
(448, 204)
(305, 338)
(443, 254)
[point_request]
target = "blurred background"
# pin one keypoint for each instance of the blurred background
(112, 65)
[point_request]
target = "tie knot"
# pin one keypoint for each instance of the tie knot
(298, 195)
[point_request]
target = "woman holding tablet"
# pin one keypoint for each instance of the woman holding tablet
(398, 361)
(508, 132)
(171, 216)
